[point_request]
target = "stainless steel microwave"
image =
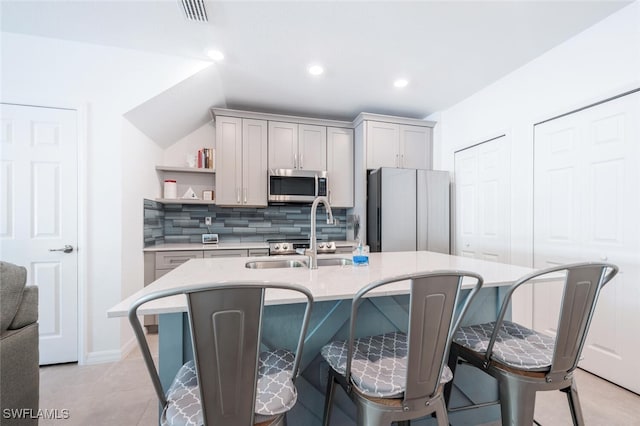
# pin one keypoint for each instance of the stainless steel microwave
(296, 186)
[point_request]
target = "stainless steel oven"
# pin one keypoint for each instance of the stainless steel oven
(296, 186)
(293, 246)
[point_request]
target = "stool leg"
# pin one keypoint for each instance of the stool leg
(452, 363)
(574, 404)
(441, 412)
(517, 402)
(328, 398)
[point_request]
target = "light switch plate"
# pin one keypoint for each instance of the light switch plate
(209, 238)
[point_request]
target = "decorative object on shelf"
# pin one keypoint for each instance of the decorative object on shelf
(191, 160)
(190, 195)
(170, 189)
(207, 195)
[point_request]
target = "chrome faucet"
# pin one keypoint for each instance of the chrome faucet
(312, 251)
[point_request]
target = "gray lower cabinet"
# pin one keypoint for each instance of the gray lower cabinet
(157, 264)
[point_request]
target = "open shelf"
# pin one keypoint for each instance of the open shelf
(184, 169)
(181, 201)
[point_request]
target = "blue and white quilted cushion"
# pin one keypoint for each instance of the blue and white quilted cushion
(516, 346)
(379, 365)
(276, 393)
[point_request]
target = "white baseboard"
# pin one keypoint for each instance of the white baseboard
(101, 357)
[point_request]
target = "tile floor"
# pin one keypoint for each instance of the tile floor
(121, 394)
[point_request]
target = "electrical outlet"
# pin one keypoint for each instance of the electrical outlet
(207, 220)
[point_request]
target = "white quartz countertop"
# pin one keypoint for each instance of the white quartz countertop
(326, 282)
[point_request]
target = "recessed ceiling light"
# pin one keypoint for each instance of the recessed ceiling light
(316, 70)
(216, 55)
(401, 82)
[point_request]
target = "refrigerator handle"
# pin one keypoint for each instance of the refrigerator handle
(379, 242)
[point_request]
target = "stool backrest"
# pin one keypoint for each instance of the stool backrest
(225, 320)
(434, 298)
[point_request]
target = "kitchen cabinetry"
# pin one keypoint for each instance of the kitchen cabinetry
(340, 166)
(398, 145)
(241, 161)
(282, 142)
(197, 179)
(236, 253)
(158, 264)
(297, 146)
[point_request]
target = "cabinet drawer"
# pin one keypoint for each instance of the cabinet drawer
(225, 253)
(173, 259)
(258, 252)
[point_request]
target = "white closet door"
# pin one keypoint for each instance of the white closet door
(586, 207)
(482, 201)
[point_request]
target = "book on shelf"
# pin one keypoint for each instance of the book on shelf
(205, 158)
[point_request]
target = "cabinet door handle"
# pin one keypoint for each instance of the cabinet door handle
(301, 157)
(295, 161)
(329, 196)
(402, 160)
(238, 195)
(397, 165)
(245, 195)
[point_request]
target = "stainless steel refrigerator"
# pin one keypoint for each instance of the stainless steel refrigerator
(407, 210)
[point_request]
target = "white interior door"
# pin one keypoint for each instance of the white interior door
(39, 213)
(586, 208)
(482, 194)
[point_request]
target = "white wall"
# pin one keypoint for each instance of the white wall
(601, 62)
(202, 137)
(104, 83)
(139, 180)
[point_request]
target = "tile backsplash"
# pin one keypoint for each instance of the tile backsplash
(184, 223)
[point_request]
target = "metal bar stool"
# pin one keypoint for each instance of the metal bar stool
(397, 377)
(525, 361)
(230, 382)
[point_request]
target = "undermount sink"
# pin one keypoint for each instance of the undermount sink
(335, 261)
(269, 264)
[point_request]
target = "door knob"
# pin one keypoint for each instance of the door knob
(66, 249)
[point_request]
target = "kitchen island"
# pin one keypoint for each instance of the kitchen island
(332, 287)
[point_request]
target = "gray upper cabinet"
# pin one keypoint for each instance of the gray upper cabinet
(312, 147)
(415, 147)
(297, 146)
(382, 144)
(340, 166)
(283, 145)
(241, 161)
(397, 145)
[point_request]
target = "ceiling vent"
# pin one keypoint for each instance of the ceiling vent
(194, 10)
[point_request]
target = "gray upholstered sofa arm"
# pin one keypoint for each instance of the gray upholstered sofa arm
(28, 309)
(19, 351)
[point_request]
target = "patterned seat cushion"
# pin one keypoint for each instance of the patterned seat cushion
(276, 393)
(516, 345)
(379, 365)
